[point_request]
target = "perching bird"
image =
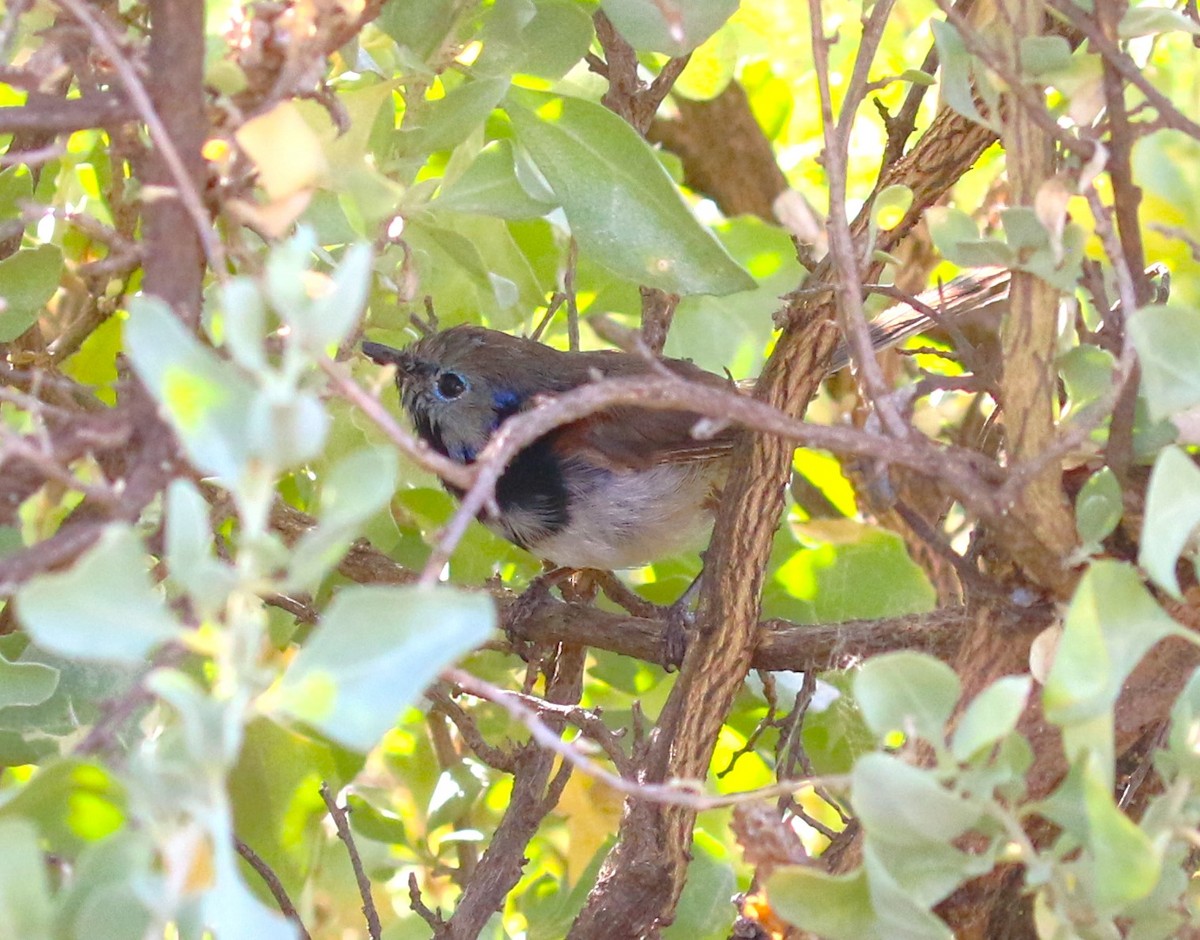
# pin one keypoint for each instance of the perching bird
(617, 489)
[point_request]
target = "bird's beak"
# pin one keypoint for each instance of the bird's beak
(389, 356)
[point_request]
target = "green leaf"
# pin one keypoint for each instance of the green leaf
(906, 691)
(991, 716)
(492, 185)
(420, 25)
(704, 908)
(1098, 507)
(326, 320)
(545, 38)
(73, 804)
(1126, 865)
(104, 607)
(448, 121)
(890, 206)
(1043, 54)
(26, 683)
(1183, 755)
(191, 563)
(958, 84)
(28, 279)
(836, 907)
(623, 208)
(1149, 20)
(1167, 339)
(357, 487)
(205, 398)
(1171, 517)
(24, 887)
(1111, 623)
(674, 28)
(374, 652)
(244, 321)
(905, 805)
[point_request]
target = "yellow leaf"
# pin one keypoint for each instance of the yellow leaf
(286, 151)
(593, 812)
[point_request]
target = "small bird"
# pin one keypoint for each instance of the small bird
(619, 488)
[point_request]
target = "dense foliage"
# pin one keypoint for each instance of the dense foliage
(251, 676)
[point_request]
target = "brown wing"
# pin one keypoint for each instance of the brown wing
(626, 436)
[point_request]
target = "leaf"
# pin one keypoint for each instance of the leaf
(325, 320)
(958, 83)
(1167, 339)
(446, 122)
(26, 683)
(205, 398)
(673, 28)
(906, 691)
(374, 652)
(546, 38)
(1043, 54)
(1171, 517)
(104, 607)
(836, 907)
(1111, 623)
(905, 805)
(492, 186)
(623, 208)
(891, 205)
(1149, 20)
(1098, 508)
(28, 279)
(285, 151)
(1125, 864)
(191, 563)
(357, 487)
(991, 716)
(24, 887)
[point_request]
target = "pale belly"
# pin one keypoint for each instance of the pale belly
(635, 517)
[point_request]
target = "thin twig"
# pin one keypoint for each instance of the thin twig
(274, 885)
(140, 98)
(340, 820)
(677, 793)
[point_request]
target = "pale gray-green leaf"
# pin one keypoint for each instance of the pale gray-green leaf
(26, 683)
(1111, 623)
(908, 692)
(103, 607)
(1171, 517)
(374, 652)
(992, 715)
(1167, 339)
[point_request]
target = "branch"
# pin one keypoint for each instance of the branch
(338, 815)
(68, 115)
(274, 885)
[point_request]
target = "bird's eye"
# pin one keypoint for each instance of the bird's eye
(450, 385)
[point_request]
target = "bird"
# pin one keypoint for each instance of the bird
(620, 488)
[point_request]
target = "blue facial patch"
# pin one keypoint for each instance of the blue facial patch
(505, 404)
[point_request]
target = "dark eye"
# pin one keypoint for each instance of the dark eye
(450, 385)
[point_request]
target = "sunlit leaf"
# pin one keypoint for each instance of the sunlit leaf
(908, 692)
(623, 208)
(375, 651)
